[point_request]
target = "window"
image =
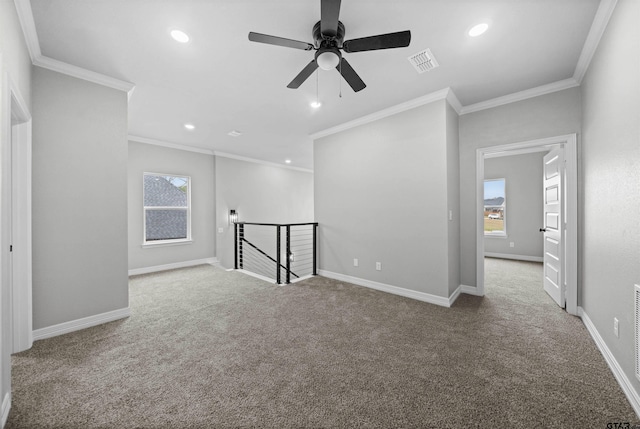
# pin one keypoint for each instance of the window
(494, 207)
(167, 208)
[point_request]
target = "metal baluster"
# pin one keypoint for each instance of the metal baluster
(278, 254)
(288, 240)
(315, 251)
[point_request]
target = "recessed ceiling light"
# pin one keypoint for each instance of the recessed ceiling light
(179, 36)
(316, 104)
(479, 29)
(190, 127)
(234, 133)
(288, 161)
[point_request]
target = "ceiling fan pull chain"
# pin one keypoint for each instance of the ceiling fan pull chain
(317, 85)
(340, 79)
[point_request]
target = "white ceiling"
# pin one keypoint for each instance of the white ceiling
(220, 81)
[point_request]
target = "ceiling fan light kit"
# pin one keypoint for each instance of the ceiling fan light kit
(328, 35)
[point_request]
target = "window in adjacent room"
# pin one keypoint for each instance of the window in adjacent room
(495, 207)
(167, 208)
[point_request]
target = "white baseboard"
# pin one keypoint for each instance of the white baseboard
(516, 257)
(6, 407)
(470, 290)
(618, 373)
(76, 325)
(270, 280)
(257, 276)
(454, 295)
(147, 270)
(408, 293)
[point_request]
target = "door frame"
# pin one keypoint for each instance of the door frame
(15, 224)
(569, 143)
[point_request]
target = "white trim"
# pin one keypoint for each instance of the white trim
(173, 266)
(180, 146)
(407, 293)
(454, 102)
(80, 73)
(170, 145)
(25, 16)
(616, 369)
(259, 161)
(257, 276)
(571, 248)
(398, 108)
(19, 139)
(268, 279)
(78, 324)
(299, 279)
(516, 257)
(521, 95)
(6, 407)
(456, 293)
(600, 21)
(469, 290)
(165, 243)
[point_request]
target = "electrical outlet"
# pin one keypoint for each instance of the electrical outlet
(355, 262)
(512, 244)
(220, 230)
(378, 266)
(616, 331)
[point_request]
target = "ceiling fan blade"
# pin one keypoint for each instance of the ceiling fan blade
(400, 39)
(350, 75)
(303, 75)
(279, 41)
(329, 12)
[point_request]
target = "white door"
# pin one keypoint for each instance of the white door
(553, 258)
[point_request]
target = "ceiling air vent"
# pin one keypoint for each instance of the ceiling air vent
(423, 61)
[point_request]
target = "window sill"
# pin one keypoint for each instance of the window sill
(495, 235)
(164, 243)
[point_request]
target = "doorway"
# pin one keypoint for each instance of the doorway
(568, 259)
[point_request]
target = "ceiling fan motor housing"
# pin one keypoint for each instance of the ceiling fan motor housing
(323, 41)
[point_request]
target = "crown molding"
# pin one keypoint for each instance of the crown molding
(169, 145)
(443, 94)
(454, 102)
(259, 161)
(178, 146)
(599, 25)
(80, 73)
(25, 16)
(522, 95)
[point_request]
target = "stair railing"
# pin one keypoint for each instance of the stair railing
(297, 250)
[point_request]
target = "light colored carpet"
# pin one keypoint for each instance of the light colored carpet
(205, 348)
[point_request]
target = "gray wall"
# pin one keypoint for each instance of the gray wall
(259, 193)
(15, 61)
(200, 167)
(549, 115)
(523, 175)
(611, 172)
(381, 195)
(79, 199)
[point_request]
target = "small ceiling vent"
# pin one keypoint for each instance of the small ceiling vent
(423, 61)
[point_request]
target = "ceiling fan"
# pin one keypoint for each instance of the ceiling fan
(328, 35)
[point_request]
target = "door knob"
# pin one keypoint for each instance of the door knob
(543, 229)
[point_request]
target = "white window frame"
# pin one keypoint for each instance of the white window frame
(503, 233)
(170, 242)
